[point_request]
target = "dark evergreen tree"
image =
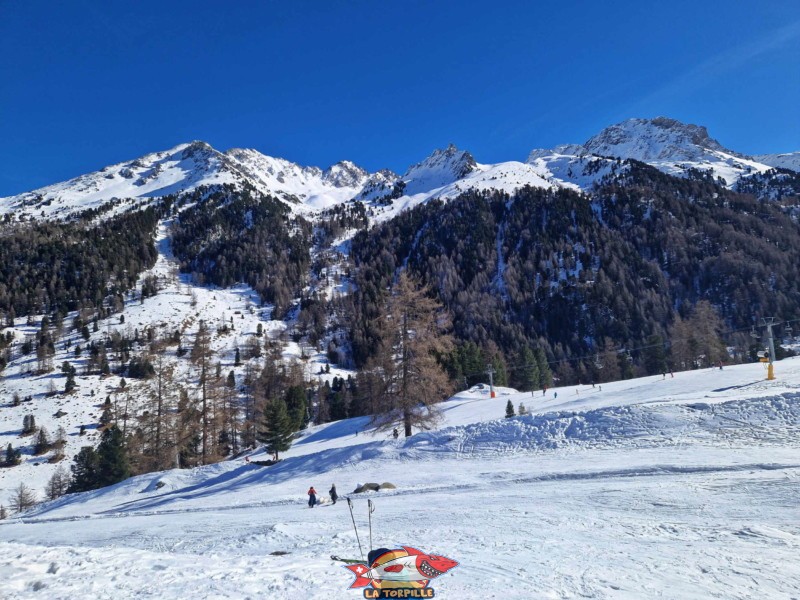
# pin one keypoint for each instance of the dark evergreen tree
(28, 424)
(276, 428)
(85, 471)
(525, 377)
(12, 456)
(42, 444)
(509, 410)
(112, 458)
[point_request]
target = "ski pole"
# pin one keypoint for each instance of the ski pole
(371, 509)
(350, 505)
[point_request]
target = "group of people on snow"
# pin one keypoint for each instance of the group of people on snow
(312, 495)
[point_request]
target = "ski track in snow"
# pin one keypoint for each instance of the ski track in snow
(692, 499)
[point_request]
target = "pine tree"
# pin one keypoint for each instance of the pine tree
(28, 424)
(70, 384)
(84, 471)
(522, 410)
(42, 444)
(12, 456)
(276, 428)
(3, 513)
(527, 374)
(112, 458)
(509, 410)
(106, 417)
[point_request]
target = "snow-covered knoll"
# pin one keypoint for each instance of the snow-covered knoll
(681, 487)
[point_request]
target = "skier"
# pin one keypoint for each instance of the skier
(312, 497)
(395, 433)
(332, 493)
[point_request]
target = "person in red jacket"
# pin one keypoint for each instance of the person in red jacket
(312, 497)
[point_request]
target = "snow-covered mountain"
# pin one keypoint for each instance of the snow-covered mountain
(669, 145)
(439, 169)
(788, 160)
(185, 168)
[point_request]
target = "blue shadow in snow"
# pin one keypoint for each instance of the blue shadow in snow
(250, 475)
(336, 430)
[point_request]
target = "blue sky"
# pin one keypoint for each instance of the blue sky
(89, 83)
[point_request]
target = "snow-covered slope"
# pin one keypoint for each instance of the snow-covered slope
(182, 168)
(187, 167)
(667, 144)
(788, 160)
(678, 487)
(579, 171)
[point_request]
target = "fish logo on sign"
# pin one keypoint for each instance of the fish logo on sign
(403, 573)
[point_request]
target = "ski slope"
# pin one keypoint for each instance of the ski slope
(683, 487)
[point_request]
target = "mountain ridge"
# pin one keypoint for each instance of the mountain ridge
(669, 145)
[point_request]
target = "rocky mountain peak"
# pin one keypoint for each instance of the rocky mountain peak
(345, 174)
(661, 138)
(450, 161)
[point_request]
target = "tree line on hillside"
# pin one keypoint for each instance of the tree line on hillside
(576, 276)
(58, 267)
(242, 236)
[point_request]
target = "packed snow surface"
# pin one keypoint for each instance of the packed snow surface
(675, 487)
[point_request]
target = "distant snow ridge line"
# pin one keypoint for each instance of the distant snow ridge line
(635, 425)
